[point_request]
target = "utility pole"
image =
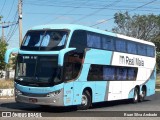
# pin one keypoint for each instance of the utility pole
(5, 25)
(20, 21)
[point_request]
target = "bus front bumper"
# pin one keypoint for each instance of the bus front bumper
(51, 100)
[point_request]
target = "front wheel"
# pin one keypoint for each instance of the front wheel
(85, 101)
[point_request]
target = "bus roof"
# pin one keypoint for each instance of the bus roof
(73, 27)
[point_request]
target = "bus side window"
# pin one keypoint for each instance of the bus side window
(78, 40)
(121, 73)
(108, 73)
(121, 45)
(93, 40)
(150, 51)
(72, 66)
(142, 49)
(108, 43)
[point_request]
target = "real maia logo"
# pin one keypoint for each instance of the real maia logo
(131, 61)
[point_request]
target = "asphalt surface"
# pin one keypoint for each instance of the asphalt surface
(104, 109)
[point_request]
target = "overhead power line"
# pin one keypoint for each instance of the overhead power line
(13, 32)
(15, 18)
(95, 12)
(71, 10)
(3, 7)
(128, 11)
(10, 10)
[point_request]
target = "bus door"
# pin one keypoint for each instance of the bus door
(68, 93)
(68, 86)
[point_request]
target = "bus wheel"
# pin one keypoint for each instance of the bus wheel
(143, 95)
(136, 95)
(85, 101)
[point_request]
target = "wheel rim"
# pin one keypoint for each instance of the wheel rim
(84, 100)
(136, 96)
(143, 94)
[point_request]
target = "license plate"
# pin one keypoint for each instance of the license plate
(32, 100)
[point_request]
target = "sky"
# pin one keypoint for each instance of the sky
(84, 12)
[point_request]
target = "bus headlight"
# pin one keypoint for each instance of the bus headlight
(52, 94)
(18, 92)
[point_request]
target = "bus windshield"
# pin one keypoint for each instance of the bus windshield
(44, 40)
(38, 70)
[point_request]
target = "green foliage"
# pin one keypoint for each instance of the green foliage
(139, 26)
(156, 41)
(3, 48)
(158, 62)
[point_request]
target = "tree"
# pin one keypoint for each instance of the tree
(3, 48)
(146, 27)
(156, 41)
(139, 26)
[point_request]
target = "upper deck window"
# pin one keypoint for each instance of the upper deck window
(44, 40)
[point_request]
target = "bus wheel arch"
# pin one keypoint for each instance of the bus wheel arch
(143, 93)
(136, 94)
(86, 100)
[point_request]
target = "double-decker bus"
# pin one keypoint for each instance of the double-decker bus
(66, 64)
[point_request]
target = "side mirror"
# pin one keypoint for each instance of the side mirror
(8, 53)
(61, 55)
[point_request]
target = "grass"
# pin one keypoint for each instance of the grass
(5, 84)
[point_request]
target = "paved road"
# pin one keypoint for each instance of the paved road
(151, 104)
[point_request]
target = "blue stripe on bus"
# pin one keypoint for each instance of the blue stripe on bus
(39, 52)
(38, 90)
(101, 57)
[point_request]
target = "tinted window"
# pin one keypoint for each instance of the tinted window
(121, 73)
(131, 47)
(93, 40)
(95, 73)
(142, 49)
(101, 72)
(78, 40)
(150, 51)
(120, 45)
(107, 43)
(44, 40)
(132, 72)
(108, 73)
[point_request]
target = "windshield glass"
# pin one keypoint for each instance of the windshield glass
(38, 70)
(44, 40)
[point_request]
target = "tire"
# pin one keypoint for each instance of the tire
(85, 101)
(136, 95)
(143, 95)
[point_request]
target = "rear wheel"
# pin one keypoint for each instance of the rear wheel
(85, 101)
(143, 95)
(136, 95)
